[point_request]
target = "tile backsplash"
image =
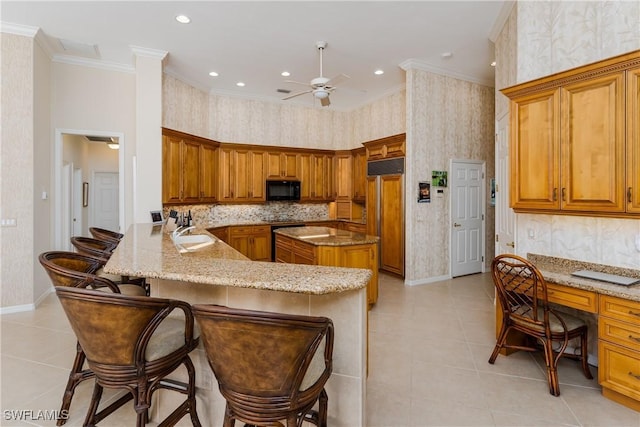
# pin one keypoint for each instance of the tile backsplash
(270, 212)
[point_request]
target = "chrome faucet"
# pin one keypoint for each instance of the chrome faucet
(180, 231)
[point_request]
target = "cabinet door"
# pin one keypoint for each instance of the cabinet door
(329, 179)
(190, 171)
(274, 165)
(317, 178)
(306, 176)
(290, 165)
(343, 176)
(359, 176)
(226, 174)
(633, 141)
(171, 169)
(391, 224)
(208, 173)
(261, 246)
(372, 209)
(593, 150)
(363, 257)
(241, 243)
(255, 176)
(535, 151)
(242, 166)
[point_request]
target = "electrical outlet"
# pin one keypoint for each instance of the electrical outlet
(531, 233)
(8, 222)
(638, 242)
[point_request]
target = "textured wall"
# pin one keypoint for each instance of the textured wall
(554, 36)
(184, 107)
(383, 117)
(551, 37)
(448, 119)
(17, 259)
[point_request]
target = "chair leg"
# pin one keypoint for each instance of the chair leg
(191, 392)
(584, 353)
(229, 421)
(552, 368)
(502, 337)
(323, 401)
(76, 376)
(93, 406)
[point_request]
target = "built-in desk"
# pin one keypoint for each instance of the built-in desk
(617, 310)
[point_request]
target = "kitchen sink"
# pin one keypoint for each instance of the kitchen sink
(192, 242)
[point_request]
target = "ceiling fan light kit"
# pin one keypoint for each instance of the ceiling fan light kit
(320, 87)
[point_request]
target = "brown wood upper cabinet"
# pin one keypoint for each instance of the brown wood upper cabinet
(189, 168)
(343, 175)
(282, 165)
(241, 174)
(316, 176)
(386, 148)
(569, 150)
(359, 178)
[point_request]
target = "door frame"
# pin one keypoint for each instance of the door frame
(483, 204)
(57, 177)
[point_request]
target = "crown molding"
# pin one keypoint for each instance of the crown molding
(94, 63)
(18, 29)
(417, 64)
(500, 21)
(149, 53)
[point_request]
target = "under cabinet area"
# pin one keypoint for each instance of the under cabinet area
(253, 241)
(574, 140)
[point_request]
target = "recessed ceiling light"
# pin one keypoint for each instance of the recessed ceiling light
(446, 55)
(493, 64)
(183, 19)
(285, 74)
(378, 72)
(213, 74)
(241, 84)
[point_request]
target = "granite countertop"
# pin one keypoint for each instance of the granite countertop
(279, 222)
(148, 251)
(325, 236)
(558, 270)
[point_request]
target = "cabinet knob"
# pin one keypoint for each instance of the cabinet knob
(555, 194)
(629, 195)
(563, 194)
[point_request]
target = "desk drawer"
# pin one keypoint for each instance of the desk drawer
(572, 297)
(621, 309)
(621, 333)
(619, 369)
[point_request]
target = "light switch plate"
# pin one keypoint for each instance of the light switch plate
(8, 222)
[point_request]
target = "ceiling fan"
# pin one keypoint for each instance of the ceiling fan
(321, 86)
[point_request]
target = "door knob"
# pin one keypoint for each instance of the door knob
(511, 245)
(455, 224)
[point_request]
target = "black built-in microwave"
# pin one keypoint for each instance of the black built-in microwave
(283, 190)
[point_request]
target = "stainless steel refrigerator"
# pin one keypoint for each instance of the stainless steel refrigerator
(385, 211)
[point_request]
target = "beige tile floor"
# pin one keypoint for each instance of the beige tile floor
(429, 347)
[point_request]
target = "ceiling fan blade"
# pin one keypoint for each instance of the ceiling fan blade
(298, 83)
(325, 101)
(297, 94)
(337, 80)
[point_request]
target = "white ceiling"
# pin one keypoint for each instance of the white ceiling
(254, 42)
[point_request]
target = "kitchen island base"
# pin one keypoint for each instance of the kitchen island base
(346, 387)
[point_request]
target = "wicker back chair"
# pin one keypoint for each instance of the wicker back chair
(132, 344)
(103, 234)
(269, 366)
(522, 294)
(71, 269)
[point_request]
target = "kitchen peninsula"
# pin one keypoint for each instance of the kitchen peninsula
(331, 247)
(218, 274)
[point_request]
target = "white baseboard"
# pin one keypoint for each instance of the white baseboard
(26, 307)
(426, 281)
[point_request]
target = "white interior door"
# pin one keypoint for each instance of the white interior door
(505, 217)
(467, 217)
(76, 201)
(67, 216)
(105, 211)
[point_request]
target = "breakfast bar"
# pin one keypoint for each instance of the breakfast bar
(215, 273)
